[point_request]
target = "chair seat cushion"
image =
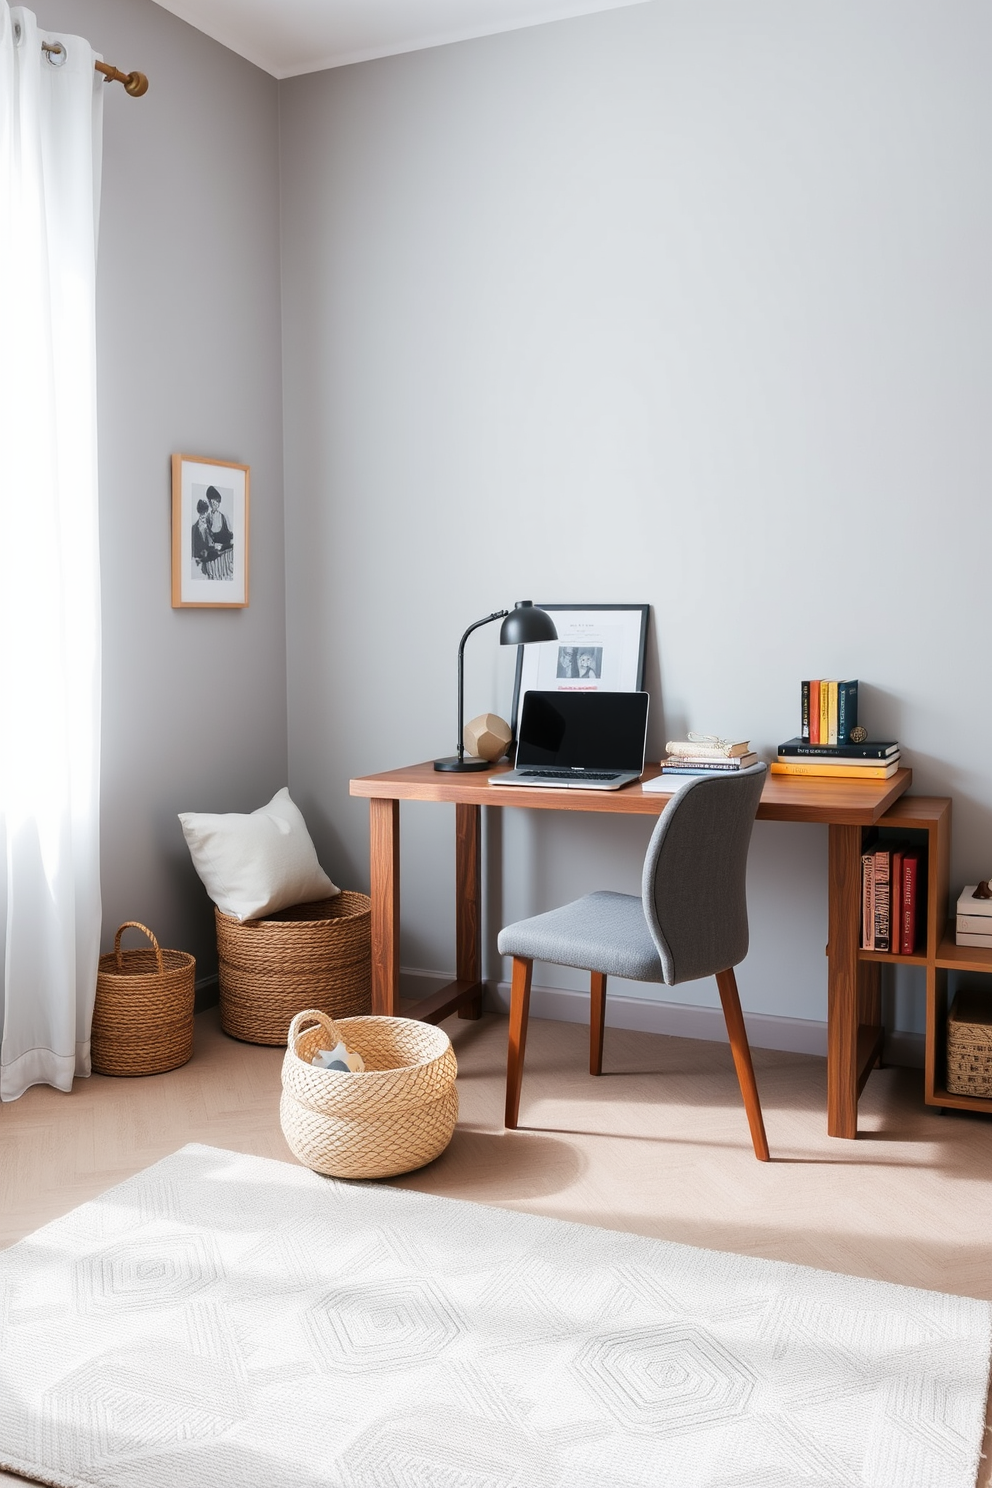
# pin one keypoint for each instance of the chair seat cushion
(604, 932)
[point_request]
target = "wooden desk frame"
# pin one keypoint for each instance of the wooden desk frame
(854, 1031)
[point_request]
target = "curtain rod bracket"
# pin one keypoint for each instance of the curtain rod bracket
(135, 83)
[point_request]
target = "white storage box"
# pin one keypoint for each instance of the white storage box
(974, 919)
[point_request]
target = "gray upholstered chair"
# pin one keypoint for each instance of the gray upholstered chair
(690, 922)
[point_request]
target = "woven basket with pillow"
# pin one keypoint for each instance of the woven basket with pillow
(287, 938)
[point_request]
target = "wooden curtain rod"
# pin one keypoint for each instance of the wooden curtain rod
(135, 83)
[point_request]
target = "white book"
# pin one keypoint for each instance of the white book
(973, 940)
(832, 763)
(699, 750)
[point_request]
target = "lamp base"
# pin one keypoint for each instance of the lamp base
(470, 762)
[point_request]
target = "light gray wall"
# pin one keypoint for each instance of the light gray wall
(682, 304)
(189, 361)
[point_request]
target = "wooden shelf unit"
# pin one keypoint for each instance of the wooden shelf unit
(938, 955)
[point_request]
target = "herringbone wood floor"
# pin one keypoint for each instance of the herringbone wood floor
(658, 1145)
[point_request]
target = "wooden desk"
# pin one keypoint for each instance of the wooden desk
(854, 1032)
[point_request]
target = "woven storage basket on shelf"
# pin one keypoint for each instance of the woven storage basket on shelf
(143, 1014)
(969, 1045)
(397, 1116)
(313, 955)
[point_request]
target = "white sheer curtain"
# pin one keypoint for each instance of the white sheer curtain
(50, 147)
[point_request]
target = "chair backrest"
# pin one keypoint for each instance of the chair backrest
(694, 882)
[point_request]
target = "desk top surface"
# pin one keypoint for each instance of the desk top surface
(798, 799)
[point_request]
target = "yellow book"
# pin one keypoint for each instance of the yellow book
(824, 711)
(833, 772)
(832, 712)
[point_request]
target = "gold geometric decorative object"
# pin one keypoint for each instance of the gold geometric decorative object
(487, 737)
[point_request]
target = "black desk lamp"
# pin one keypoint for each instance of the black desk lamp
(523, 624)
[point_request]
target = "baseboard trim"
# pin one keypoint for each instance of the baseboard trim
(206, 993)
(678, 1019)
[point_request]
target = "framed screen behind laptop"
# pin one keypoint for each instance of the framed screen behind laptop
(600, 648)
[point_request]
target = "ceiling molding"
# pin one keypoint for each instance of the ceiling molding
(288, 38)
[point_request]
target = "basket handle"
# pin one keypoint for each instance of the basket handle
(137, 925)
(312, 1015)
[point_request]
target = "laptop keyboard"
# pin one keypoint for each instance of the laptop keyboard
(571, 774)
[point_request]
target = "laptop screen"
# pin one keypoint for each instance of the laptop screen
(583, 730)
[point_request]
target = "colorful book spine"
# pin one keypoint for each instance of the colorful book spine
(804, 712)
(847, 709)
(678, 765)
(910, 901)
(898, 854)
(883, 897)
(824, 737)
(814, 712)
(873, 750)
(868, 901)
(832, 713)
(852, 771)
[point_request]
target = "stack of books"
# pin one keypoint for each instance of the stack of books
(893, 877)
(707, 755)
(974, 921)
(829, 711)
(873, 760)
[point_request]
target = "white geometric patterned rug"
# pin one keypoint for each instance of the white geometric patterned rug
(223, 1321)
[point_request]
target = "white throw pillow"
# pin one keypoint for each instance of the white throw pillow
(257, 864)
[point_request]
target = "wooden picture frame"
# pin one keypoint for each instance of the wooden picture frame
(209, 533)
(611, 638)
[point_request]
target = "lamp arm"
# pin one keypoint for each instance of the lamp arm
(486, 619)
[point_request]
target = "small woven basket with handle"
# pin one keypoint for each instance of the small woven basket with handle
(396, 1116)
(143, 1014)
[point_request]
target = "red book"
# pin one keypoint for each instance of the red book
(910, 900)
(814, 713)
(897, 858)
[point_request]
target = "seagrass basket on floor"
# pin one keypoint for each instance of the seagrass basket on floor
(310, 956)
(143, 1014)
(969, 1045)
(396, 1116)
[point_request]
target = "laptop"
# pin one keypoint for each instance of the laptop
(580, 740)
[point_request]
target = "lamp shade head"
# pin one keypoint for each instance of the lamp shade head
(525, 623)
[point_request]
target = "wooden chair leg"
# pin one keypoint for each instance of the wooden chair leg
(519, 1013)
(597, 1020)
(727, 984)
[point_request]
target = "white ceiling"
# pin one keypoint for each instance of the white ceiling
(288, 37)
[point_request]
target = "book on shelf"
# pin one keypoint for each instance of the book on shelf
(872, 749)
(868, 900)
(824, 734)
(832, 762)
(828, 710)
(890, 897)
(842, 770)
(847, 710)
(717, 749)
(814, 712)
(681, 764)
(882, 859)
(963, 938)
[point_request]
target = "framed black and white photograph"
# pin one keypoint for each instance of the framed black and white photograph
(600, 648)
(209, 533)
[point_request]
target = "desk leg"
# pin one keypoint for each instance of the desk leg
(468, 900)
(384, 865)
(844, 916)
